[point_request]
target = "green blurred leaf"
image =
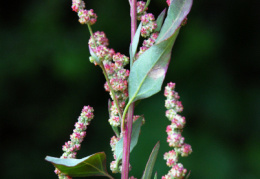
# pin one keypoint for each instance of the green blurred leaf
(150, 164)
(177, 12)
(134, 44)
(134, 139)
(148, 72)
(155, 176)
(159, 20)
(93, 165)
(94, 56)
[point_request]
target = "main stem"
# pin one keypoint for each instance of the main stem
(127, 131)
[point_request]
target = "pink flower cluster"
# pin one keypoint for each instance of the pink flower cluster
(114, 64)
(71, 147)
(175, 139)
(85, 16)
(148, 21)
(148, 27)
(113, 142)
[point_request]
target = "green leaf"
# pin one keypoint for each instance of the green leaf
(148, 72)
(177, 12)
(159, 20)
(94, 56)
(155, 176)
(134, 139)
(150, 164)
(134, 44)
(93, 165)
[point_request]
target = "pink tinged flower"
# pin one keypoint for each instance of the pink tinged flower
(87, 17)
(145, 19)
(106, 87)
(169, 129)
(109, 67)
(140, 7)
(178, 122)
(76, 135)
(171, 85)
(87, 109)
(149, 42)
(113, 109)
(80, 126)
(122, 104)
(118, 84)
(66, 146)
(170, 162)
(77, 147)
(113, 167)
(75, 7)
(170, 114)
(123, 74)
(113, 142)
(178, 171)
(77, 4)
(154, 36)
(83, 134)
(179, 106)
(99, 39)
(170, 103)
(57, 171)
(171, 158)
(185, 150)
(72, 155)
(114, 121)
(175, 140)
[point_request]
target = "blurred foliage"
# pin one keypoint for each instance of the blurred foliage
(46, 78)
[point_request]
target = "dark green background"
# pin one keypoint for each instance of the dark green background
(46, 78)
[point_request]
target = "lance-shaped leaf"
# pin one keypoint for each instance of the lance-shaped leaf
(155, 176)
(148, 72)
(177, 12)
(134, 139)
(150, 164)
(134, 44)
(93, 165)
(159, 20)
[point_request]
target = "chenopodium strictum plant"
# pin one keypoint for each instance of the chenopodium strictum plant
(127, 84)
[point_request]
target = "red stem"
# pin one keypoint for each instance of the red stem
(128, 127)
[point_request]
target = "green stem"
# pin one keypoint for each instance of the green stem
(124, 113)
(146, 5)
(92, 35)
